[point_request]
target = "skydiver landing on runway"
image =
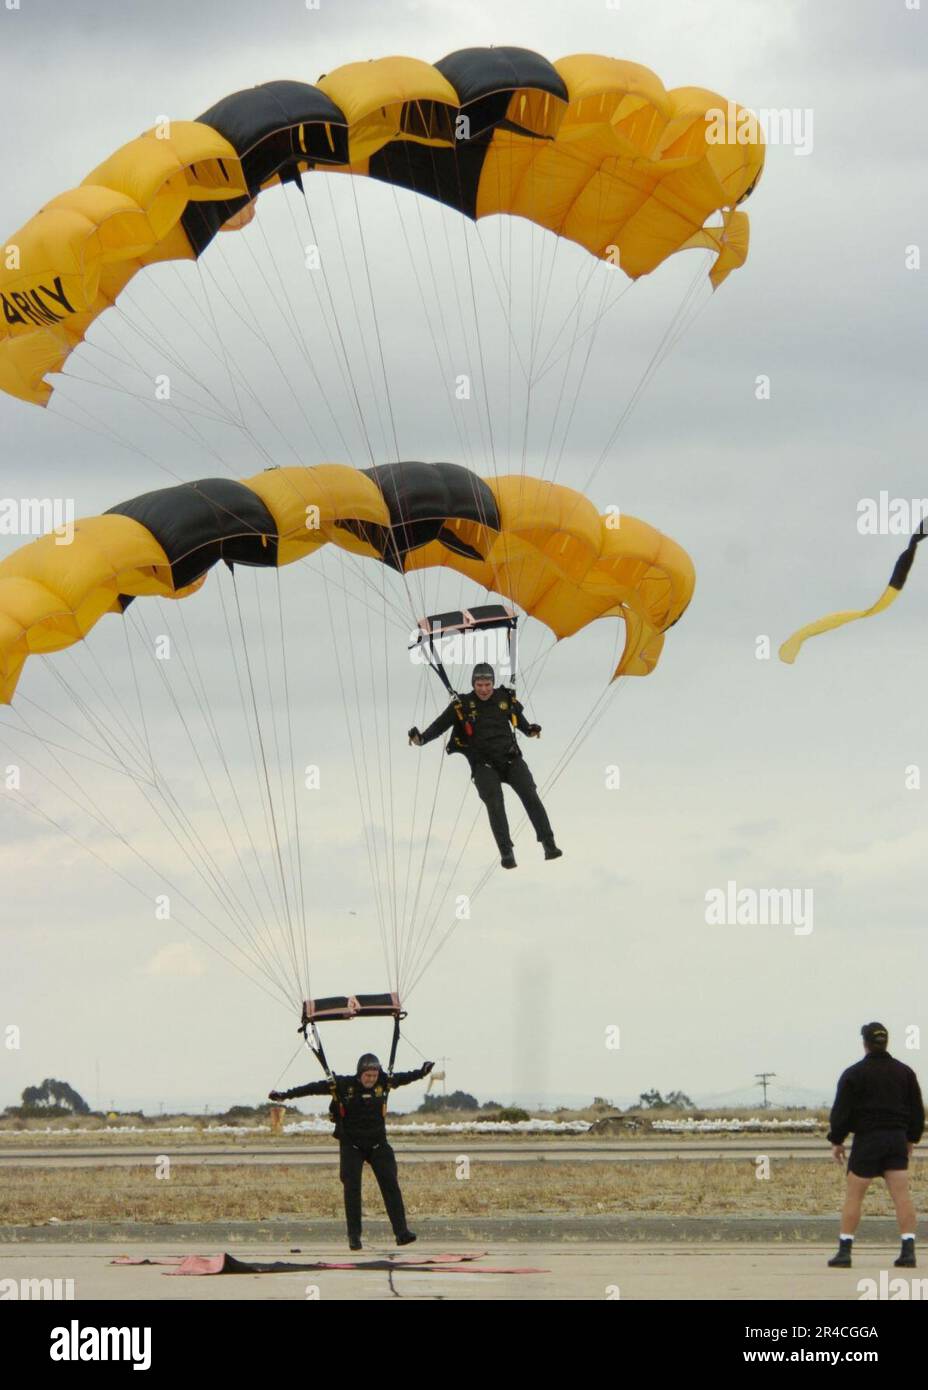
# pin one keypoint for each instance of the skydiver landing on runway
(359, 1108)
(483, 726)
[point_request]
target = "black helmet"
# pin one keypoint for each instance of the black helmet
(368, 1063)
(483, 670)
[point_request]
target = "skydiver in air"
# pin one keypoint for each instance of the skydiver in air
(359, 1108)
(483, 728)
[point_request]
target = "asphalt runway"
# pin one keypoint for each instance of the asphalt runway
(812, 1148)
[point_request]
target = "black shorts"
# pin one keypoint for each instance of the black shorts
(880, 1150)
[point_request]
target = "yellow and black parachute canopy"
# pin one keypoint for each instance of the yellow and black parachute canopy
(541, 545)
(593, 148)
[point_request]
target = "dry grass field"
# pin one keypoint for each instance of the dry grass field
(197, 1193)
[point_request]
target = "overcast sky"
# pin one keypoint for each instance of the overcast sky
(733, 768)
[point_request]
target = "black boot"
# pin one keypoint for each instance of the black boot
(406, 1238)
(906, 1258)
(507, 858)
(843, 1258)
(550, 848)
(354, 1243)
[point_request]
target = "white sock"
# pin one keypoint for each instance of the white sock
(907, 1235)
(842, 1236)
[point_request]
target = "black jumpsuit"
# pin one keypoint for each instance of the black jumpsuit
(359, 1113)
(494, 757)
(880, 1101)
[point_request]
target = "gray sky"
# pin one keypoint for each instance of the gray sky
(732, 768)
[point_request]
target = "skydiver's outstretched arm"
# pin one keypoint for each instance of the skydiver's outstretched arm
(438, 726)
(405, 1078)
(313, 1088)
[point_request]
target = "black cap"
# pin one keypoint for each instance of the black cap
(483, 669)
(368, 1063)
(874, 1035)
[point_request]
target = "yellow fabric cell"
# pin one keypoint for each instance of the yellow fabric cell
(192, 162)
(337, 491)
(372, 97)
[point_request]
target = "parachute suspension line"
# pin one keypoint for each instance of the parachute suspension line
(158, 341)
(206, 866)
(284, 801)
(287, 914)
(124, 358)
(398, 618)
(254, 327)
(379, 336)
(277, 994)
(354, 722)
(139, 702)
(550, 361)
(339, 360)
(434, 908)
(669, 339)
(413, 920)
(334, 318)
(443, 365)
(23, 700)
(481, 356)
(95, 813)
(387, 742)
(287, 315)
(166, 792)
(205, 271)
(362, 338)
(298, 835)
(408, 913)
(125, 756)
(268, 890)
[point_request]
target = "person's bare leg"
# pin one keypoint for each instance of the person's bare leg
(853, 1202)
(897, 1180)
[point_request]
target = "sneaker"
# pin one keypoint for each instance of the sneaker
(843, 1258)
(906, 1258)
(406, 1238)
(551, 849)
(508, 860)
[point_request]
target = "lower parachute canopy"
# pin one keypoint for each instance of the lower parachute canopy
(541, 545)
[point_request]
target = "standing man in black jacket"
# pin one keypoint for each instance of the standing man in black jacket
(483, 726)
(359, 1109)
(880, 1101)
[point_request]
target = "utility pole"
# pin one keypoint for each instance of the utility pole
(762, 1078)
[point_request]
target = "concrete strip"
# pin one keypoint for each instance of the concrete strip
(597, 1272)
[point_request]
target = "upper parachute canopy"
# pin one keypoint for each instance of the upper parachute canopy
(593, 148)
(541, 545)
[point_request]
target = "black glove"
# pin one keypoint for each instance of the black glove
(415, 737)
(427, 1067)
(534, 730)
(276, 1095)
